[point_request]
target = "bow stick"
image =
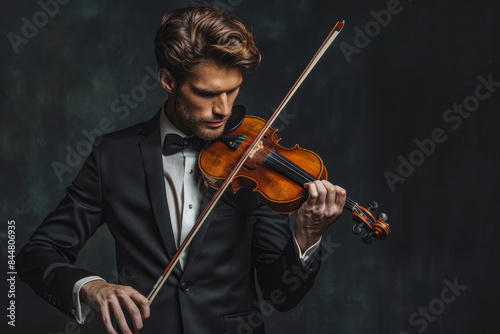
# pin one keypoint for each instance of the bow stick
(201, 219)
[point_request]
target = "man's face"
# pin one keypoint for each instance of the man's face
(203, 103)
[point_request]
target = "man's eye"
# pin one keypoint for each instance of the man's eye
(206, 94)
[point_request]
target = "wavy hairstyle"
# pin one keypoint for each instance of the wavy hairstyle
(197, 35)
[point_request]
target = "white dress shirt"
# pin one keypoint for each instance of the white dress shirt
(183, 185)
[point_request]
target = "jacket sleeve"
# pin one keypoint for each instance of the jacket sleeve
(46, 262)
(284, 281)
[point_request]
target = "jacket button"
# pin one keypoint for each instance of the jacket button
(185, 287)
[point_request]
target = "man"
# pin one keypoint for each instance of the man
(149, 196)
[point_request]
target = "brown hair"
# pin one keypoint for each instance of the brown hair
(197, 35)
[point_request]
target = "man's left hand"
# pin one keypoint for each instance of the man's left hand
(323, 206)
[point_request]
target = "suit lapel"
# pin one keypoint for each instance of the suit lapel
(153, 167)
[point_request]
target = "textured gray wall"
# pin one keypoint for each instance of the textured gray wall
(363, 107)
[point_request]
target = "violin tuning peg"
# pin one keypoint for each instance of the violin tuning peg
(356, 229)
(367, 238)
(383, 217)
(372, 206)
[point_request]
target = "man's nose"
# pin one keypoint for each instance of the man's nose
(222, 105)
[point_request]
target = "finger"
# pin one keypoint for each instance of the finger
(132, 309)
(313, 193)
(340, 197)
(143, 304)
(331, 195)
(322, 193)
(119, 316)
(317, 193)
(106, 318)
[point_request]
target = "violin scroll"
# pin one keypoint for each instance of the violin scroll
(376, 228)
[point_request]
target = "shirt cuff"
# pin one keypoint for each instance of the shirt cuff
(79, 309)
(308, 256)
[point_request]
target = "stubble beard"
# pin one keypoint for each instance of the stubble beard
(197, 126)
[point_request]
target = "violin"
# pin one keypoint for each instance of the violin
(250, 157)
(277, 174)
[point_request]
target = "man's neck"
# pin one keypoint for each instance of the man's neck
(168, 107)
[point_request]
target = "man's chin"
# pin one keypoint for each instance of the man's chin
(209, 134)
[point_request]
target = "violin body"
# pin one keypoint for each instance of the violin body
(274, 173)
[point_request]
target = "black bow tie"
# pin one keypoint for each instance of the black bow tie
(174, 143)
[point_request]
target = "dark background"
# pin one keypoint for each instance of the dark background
(358, 112)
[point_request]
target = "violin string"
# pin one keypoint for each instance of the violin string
(285, 165)
(351, 204)
(306, 177)
(291, 170)
(293, 167)
(300, 174)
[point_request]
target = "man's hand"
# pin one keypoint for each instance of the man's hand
(322, 208)
(110, 298)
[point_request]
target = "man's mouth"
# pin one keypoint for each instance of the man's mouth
(216, 124)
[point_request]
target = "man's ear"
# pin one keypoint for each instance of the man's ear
(167, 80)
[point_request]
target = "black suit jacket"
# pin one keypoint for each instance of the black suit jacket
(122, 185)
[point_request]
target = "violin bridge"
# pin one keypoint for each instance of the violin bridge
(233, 141)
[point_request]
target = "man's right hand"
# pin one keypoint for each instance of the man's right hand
(108, 298)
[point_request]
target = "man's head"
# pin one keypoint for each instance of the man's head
(201, 52)
(197, 35)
